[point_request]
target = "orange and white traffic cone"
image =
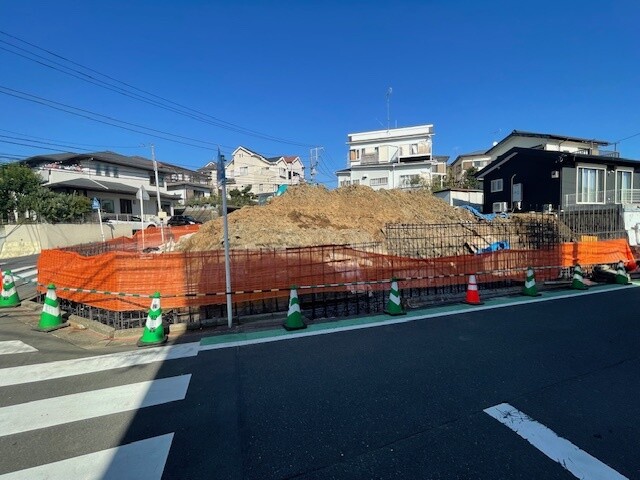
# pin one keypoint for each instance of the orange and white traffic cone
(473, 296)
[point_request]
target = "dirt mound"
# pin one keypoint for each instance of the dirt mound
(312, 215)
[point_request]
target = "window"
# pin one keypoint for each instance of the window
(243, 171)
(590, 185)
(115, 172)
(283, 172)
(496, 185)
(152, 179)
(409, 180)
(354, 155)
(356, 182)
(345, 183)
(624, 186)
(107, 206)
(414, 149)
(379, 181)
(261, 188)
(98, 169)
(265, 170)
(107, 171)
(126, 206)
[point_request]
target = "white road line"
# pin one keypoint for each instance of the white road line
(578, 462)
(66, 368)
(15, 346)
(53, 411)
(142, 460)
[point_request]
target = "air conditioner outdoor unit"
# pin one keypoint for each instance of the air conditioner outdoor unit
(499, 207)
(555, 174)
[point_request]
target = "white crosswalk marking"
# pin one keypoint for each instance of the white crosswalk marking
(67, 368)
(578, 462)
(15, 346)
(97, 403)
(143, 460)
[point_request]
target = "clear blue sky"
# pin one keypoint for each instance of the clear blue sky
(312, 72)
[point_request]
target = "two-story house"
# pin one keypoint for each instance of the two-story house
(113, 179)
(264, 175)
(463, 163)
(393, 158)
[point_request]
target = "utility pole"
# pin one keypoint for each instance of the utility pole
(222, 181)
(314, 156)
(155, 170)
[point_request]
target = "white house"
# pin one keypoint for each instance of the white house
(462, 163)
(264, 175)
(392, 158)
(115, 179)
(551, 142)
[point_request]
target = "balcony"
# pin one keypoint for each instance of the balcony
(608, 197)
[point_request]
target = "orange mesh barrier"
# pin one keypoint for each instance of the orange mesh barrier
(198, 278)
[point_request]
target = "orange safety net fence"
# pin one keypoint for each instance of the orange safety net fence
(123, 280)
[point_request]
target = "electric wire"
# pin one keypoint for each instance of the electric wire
(185, 109)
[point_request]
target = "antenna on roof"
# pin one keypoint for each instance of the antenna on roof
(389, 92)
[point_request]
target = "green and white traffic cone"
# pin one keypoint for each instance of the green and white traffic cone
(578, 280)
(153, 329)
(294, 319)
(622, 278)
(9, 296)
(50, 318)
(530, 289)
(393, 305)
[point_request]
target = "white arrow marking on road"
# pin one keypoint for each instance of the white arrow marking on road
(578, 462)
(80, 366)
(96, 403)
(15, 346)
(143, 460)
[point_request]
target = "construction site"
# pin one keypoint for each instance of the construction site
(341, 249)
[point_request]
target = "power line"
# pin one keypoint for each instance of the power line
(186, 111)
(68, 109)
(66, 142)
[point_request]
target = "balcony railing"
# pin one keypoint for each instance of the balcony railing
(624, 196)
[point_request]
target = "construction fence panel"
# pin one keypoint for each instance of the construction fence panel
(123, 280)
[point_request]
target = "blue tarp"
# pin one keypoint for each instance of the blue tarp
(494, 247)
(488, 217)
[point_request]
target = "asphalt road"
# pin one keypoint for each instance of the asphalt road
(401, 401)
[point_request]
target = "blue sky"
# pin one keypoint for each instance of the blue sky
(312, 72)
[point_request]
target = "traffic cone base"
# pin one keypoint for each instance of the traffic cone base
(578, 280)
(9, 295)
(394, 307)
(621, 275)
(294, 320)
(473, 295)
(153, 333)
(51, 319)
(530, 289)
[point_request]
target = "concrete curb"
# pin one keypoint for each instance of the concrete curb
(92, 325)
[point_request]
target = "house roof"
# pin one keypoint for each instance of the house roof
(573, 157)
(104, 186)
(549, 136)
(477, 153)
(107, 157)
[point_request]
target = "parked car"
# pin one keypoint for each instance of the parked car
(178, 220)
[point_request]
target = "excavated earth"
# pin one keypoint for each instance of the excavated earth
(313, 215)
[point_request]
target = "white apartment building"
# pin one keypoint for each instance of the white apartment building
(264, 175)
(392, 158)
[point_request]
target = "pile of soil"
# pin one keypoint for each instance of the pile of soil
(313, 215)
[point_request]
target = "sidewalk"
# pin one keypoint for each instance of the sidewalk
(18, 323)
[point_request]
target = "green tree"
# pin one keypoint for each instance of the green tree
(242, 197)
(469, 180)
(21, 193)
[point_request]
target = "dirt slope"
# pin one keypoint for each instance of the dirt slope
(312, 215)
